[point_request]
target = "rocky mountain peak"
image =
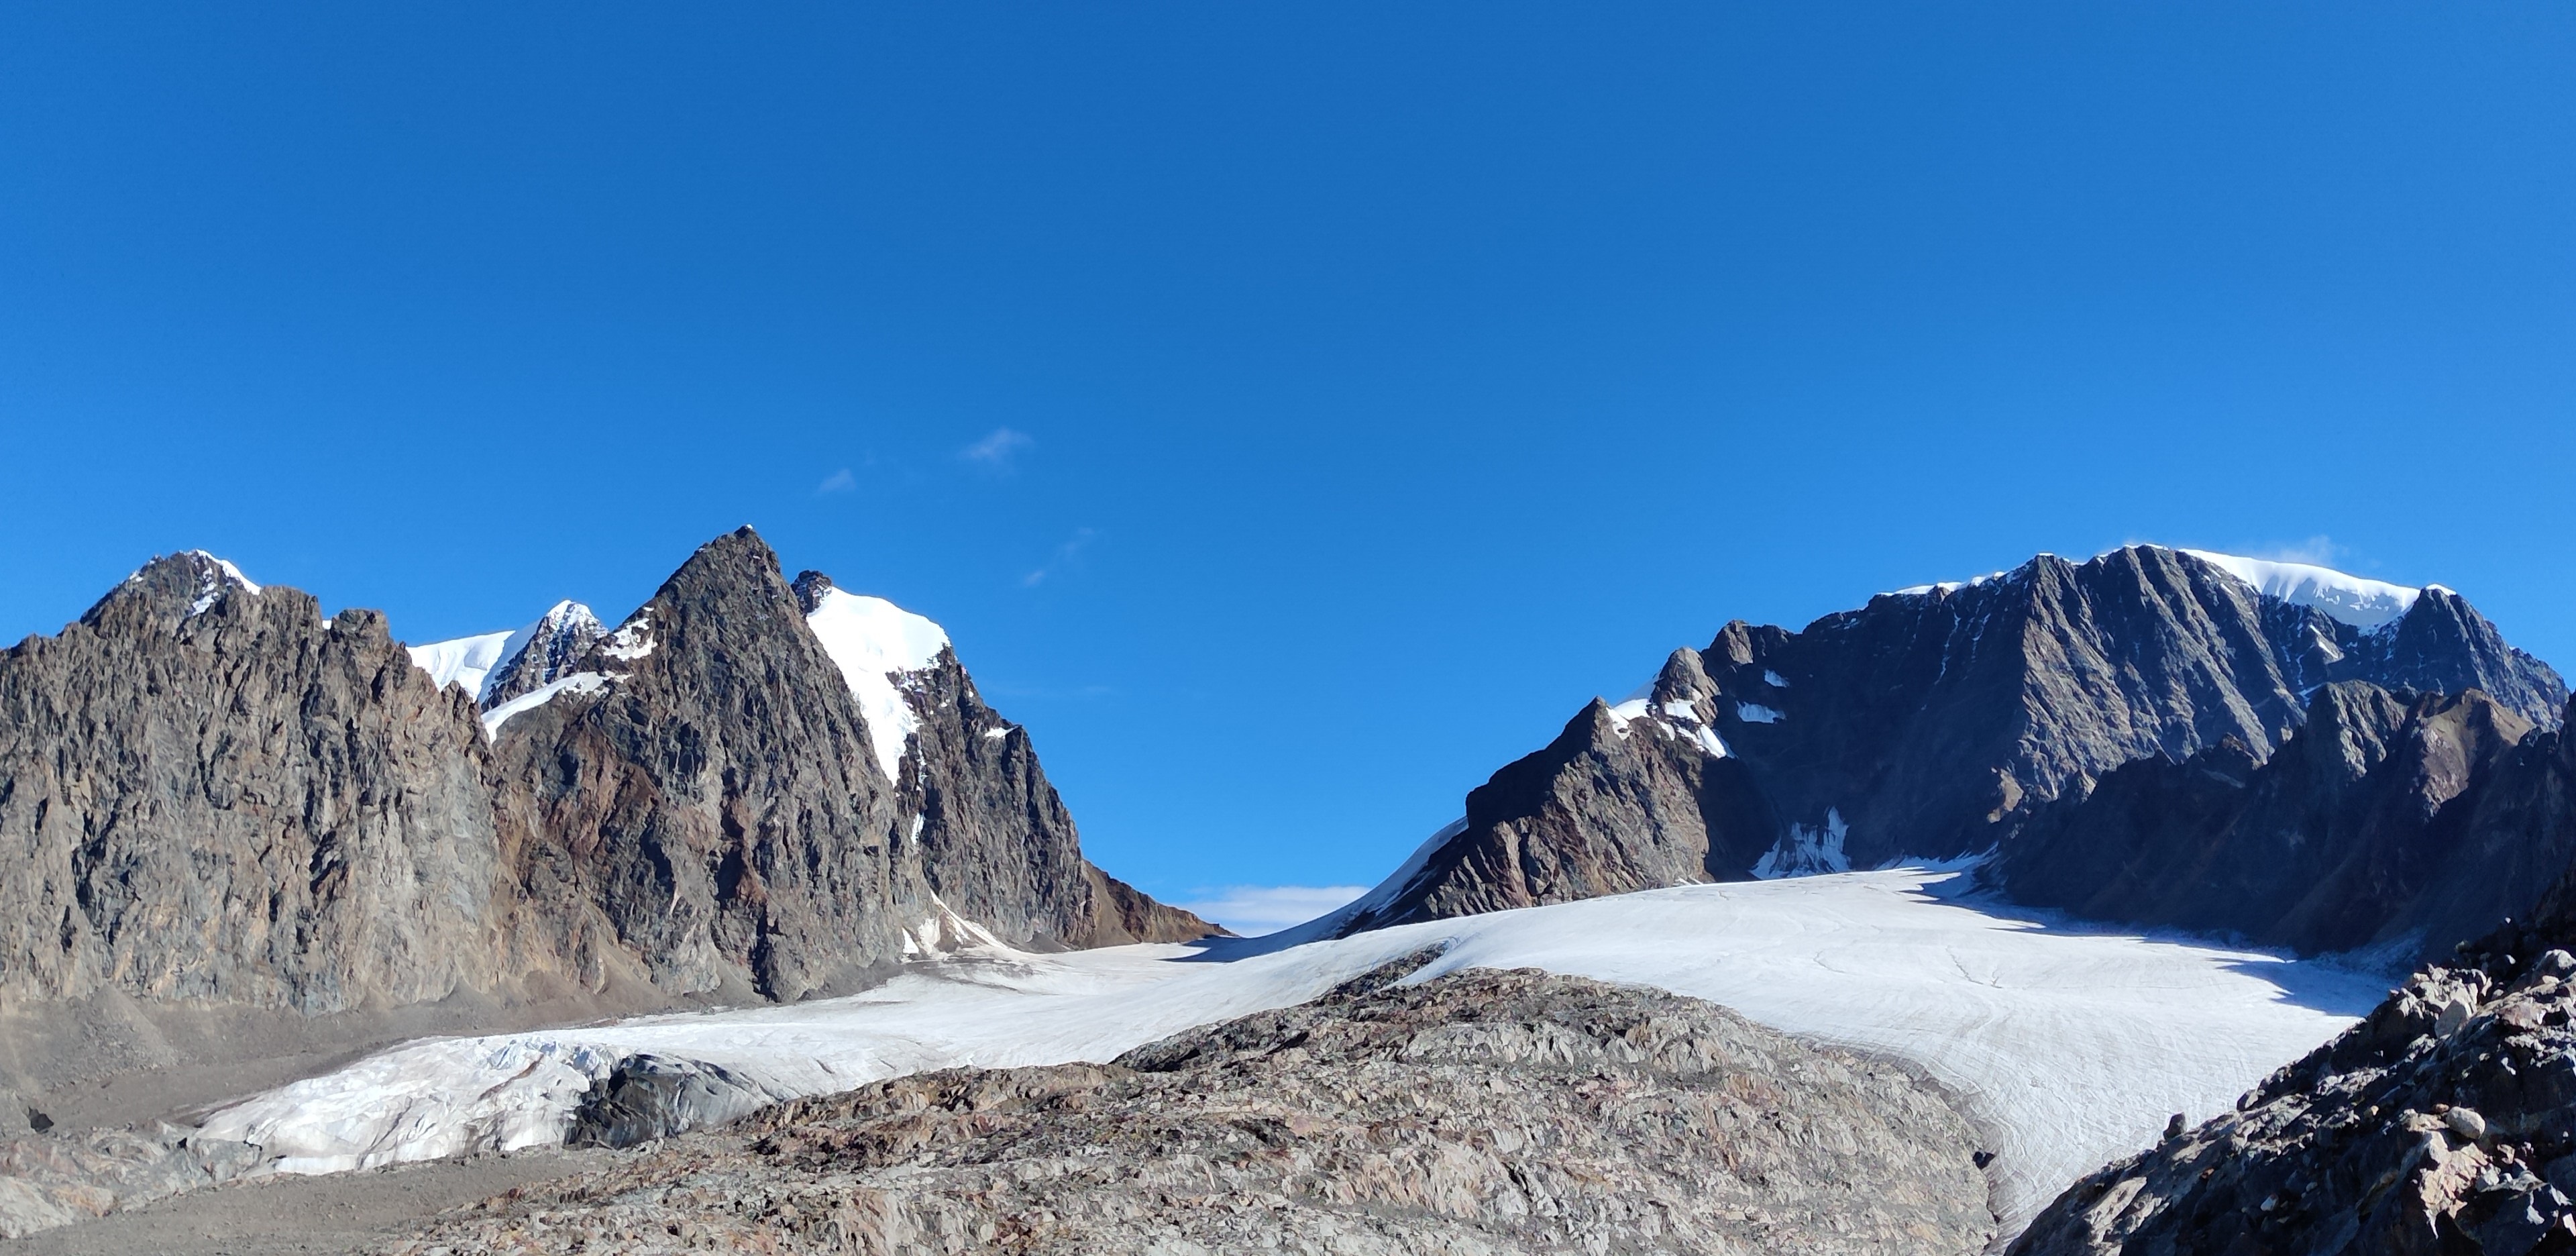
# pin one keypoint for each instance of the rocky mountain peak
(541, 653)
(1937, 721)
(172, 589)
(810, 587)
(1683, 690)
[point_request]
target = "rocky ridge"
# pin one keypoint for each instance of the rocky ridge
(1485, 1112)
(2385, 823)
(1933, 724)
(223, 804)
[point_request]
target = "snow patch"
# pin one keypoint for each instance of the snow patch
(944, 932)
(578, 682)
(1774, 679)
(631, 641)
(1945, 586)
(467, 661)
(873, 640)
(2072, 1046)
(1807, 850)
(2358, 602)
(1756, 713)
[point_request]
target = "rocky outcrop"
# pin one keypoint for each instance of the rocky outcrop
(1622, 800)
(1494, 1112)
(2381, 822)
(210, 793)
(2444, 1123)
(1936, 723)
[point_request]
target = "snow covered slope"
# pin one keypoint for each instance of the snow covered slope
(2358, 602)
(871, 639)
(2072, 1047)
(466, 661)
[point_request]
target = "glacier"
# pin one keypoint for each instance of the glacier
(2069, 1047)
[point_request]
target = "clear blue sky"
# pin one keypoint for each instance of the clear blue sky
(1365, 386)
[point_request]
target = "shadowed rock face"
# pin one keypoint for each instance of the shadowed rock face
(2380, 822)
(210, 794)
(1934, 725)
(2445, 1123)
(1494, 1112)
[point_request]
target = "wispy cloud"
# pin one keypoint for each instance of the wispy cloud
(1066, 556)
(841, 481)
(1253, 910)
(998, 449)
(2319, 550)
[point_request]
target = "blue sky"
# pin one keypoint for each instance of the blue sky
(1293, 412)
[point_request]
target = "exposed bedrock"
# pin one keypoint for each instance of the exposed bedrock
(1486, 1112)
(219, 804)
(1940, 723)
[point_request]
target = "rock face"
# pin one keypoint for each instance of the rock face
(996, 843)
(1491, 1112)
(542, 653)
(209, 792)
(2444, 1123)
(2382, 823)
(1934, 724)
(713, 793)
(214, 798)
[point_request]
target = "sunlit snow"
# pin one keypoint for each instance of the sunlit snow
(2361, 603)
(2070, 1047)
(871, 639)
(578, 682)
(466, 661)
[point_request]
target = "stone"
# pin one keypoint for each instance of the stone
(1487, 1111)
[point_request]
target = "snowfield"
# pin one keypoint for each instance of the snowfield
(2071, 1047)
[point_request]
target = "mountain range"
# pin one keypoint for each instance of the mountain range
(219, 803)
(2046, 721)
(256, 840)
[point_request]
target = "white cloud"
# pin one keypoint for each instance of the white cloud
(997, 449)
(1065, 555)
(1253, 910)
(2316, 551)
(840, 481)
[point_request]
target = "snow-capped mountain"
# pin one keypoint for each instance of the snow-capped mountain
(496, 667)
(224, 797)
(1935, 722)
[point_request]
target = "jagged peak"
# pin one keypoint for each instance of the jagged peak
(480, 663)
(182, 586)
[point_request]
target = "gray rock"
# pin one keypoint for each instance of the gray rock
(1939, 724)
(217, 804)
(556, 644)
(1487, 1112)
(213, 794)
(993, 839)
(2379, 821)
